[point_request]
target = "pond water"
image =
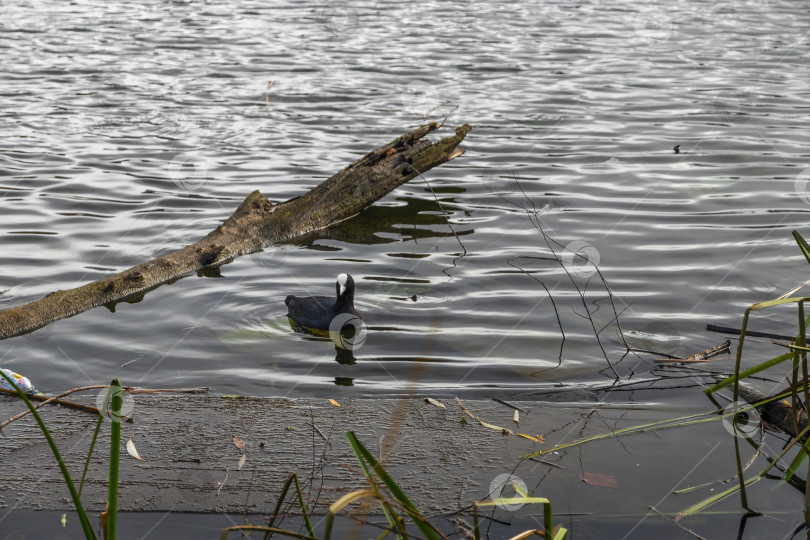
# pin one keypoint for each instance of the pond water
(130, 130)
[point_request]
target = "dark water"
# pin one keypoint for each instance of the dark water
(130, 130)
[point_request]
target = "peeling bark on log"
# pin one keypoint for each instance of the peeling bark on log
(255, 224)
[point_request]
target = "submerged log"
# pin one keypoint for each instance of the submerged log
(255, 224)
(191, 463)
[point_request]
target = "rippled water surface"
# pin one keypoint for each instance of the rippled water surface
(130, 130)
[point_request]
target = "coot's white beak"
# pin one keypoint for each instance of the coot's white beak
(342, 280)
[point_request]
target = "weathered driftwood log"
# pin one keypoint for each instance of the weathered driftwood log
(257, 223)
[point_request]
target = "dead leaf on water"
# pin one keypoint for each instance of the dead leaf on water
(238, 442)
(504, 430)
(435, 402)
(241, 463)
(600, 480)
(132, 451)
(333, 402)
(537, 439)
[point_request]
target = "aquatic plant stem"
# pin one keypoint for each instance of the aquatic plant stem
(115, 455)
(86, 527)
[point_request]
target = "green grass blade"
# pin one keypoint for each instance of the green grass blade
(548, 520)
(802, 245)
(748, 372)
(292, 477)
(643, 428)
(115, 458)
(713, 499)
(86, 527)
(548, 515)
(514, 500)
(801, 456)
(779, 301)
(93, 444)
(364, 455)
(303, 506)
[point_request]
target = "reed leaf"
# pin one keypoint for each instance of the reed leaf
(77, 503)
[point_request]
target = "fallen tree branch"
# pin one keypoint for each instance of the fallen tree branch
(255, 224)
(57, 399)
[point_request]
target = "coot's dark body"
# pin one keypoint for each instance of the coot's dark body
(317, 312)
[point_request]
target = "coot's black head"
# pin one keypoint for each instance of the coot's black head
(344, 287)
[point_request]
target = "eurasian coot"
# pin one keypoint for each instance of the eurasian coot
(317, 312)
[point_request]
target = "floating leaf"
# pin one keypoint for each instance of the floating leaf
(333, 402)
(238, 442)
(131, 450)
(600, 480)
(435, 402)
(490, 426)
(241, 463)
(516, 418)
